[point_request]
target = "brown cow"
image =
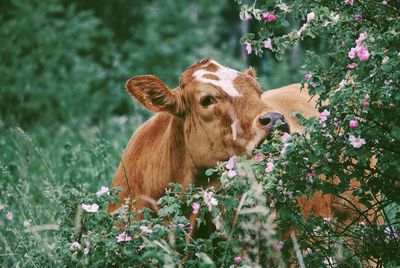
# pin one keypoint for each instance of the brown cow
(215, 113)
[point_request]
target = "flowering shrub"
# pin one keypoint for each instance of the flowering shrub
(356, 80)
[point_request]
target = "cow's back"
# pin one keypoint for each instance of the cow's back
(291, 99)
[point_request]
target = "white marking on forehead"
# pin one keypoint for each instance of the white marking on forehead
(226, 77)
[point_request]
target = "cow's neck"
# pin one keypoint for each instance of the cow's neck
(176, 161)
(173, 161)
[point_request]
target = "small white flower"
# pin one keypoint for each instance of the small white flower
(343, 83)
(123, 237)
(75, 246)
(103, 190)
(285, 137)
(209, 200)
(310, 16)
(324, 116)
(356, 142)
(217, 222)
(335, 18)
(87, 248)
(302, 29)
(385, 59)
(270, 167)
(90, 208)
(283, 151)
(145, 229)
(232, 173)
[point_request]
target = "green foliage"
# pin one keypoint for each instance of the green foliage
(45, 53)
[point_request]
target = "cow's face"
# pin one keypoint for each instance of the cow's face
(220, 108)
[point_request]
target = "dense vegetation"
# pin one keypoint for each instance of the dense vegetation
(65, 119)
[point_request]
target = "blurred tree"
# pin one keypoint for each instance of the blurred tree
(49, 60)
(175, 34)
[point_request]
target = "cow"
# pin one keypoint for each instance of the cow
(215, 113)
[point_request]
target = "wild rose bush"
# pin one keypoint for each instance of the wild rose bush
(355, 77)
(253, 219)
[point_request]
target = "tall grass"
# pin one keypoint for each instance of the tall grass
(35, 168)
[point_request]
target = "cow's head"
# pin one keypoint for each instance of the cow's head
(220, 109)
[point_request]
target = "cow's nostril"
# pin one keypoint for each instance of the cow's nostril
(264, 120)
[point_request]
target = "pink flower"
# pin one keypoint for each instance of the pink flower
(103, 190)
(123, 237)
(352, 53)
(145, 229)
(9, 215)
(356, 142)
(363, 54)
(210, 200)
(285, 137)
(358, 17)
(259, 157)
(267, 44)
(195, 207)
(279, 245)
(349, 2)
(270, 167)
(353, 123)
(397, 184)
(310, 16)
(190, 229)
(365, 104)
(87, 248)
(283, 151)
(342, 83)
(247, 16)
(217, 223)
(311, 173)
(361, 38)
(248, 47)
(237, 259)
(268, 16)
(230, 164)
(324, 116)
(385, 59)
(352, 65)
(90, 208)
(75, 246)
(307, 76)
(232, 173)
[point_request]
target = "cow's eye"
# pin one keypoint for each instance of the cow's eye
(207, 101)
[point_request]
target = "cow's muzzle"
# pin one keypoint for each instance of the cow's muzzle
(273, 121)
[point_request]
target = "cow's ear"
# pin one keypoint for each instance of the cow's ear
(153, 93)
(250, 71)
